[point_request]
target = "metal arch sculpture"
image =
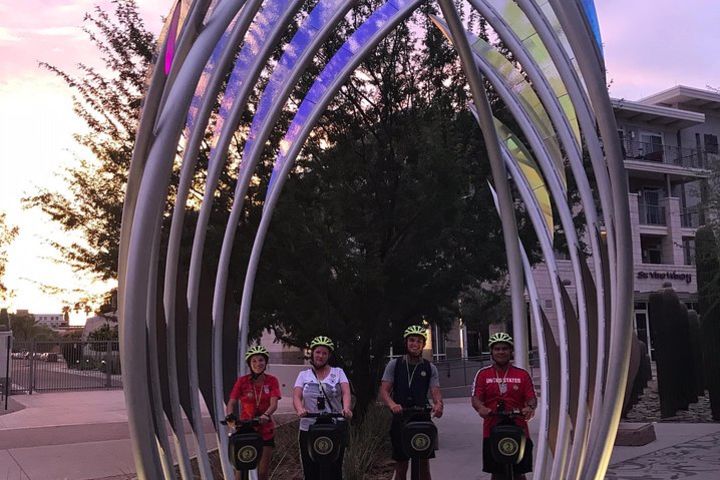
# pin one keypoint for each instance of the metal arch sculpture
(563, 109)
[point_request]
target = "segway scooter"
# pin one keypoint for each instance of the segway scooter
(325, 439)
(418, 437)
(507, 440)
(245, 445)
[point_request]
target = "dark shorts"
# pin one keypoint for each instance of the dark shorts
(269, 443)
(491, 466)
(398, 454)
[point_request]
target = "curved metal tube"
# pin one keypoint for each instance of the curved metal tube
(586, 53)
(151, 195)
(585, 116)
(572, 148)
(305, 120)
(507, 216)
(189, 161)
(247, 167)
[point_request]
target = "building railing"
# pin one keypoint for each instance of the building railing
(666, 154)
(690, 218)
(651, 214)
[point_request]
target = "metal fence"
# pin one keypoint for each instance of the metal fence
(64, 365)
(457, 375)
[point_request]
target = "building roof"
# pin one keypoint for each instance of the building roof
(660, 116)
(686, 98)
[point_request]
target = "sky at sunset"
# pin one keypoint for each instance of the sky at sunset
(650, 45)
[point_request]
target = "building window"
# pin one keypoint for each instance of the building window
(650, 211)
(711, 143)
(438, 344)
(651, 146)
(651, 248)
(689, 251)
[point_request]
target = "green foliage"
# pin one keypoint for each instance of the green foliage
(388, 221)
(671, 340)
(73, 354)
(368, 443)
(25, 328)
(708, 280)
(105, 333)
(7, 235)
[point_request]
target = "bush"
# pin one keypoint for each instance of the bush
(708, 280)
(72, 353)
(369, 445)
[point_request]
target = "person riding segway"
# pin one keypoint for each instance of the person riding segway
(498, 390)
(258, 394)
(321, 398)
(405, 386)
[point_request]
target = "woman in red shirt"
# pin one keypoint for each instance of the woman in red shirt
(258, 394)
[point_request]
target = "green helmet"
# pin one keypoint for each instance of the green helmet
(416, 330)
(257, 350)
(500, 337)
(322, 341)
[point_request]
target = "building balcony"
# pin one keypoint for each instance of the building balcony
(652, 214)
(664, 154)
(690, 218)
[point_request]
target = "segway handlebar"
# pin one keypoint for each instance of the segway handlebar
(413, 410)
(233, 420)
(324, 415)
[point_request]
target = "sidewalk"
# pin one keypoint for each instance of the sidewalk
(84, 435)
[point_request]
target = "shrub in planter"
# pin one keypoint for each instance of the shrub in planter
(708, 279)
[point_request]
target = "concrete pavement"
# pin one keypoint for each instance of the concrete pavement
(84, 435)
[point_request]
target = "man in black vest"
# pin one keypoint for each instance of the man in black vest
(406, 383)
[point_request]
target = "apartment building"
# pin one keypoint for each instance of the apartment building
(670, 144)
(51, 320)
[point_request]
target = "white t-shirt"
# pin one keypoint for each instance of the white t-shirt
(311, 392)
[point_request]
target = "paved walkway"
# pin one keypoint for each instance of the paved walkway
(84, 435)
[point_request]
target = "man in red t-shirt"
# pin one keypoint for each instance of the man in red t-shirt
(258, 394)
(504, 383)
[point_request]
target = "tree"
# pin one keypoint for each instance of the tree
(386, 220)
(7, 235)
(708, 280)
(25, 328)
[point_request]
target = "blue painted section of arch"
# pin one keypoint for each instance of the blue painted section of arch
(334, 67)
(588, 8)
(255, 39)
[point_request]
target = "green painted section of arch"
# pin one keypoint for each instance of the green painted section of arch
(530, 170)
(517, 21)
(527, 96)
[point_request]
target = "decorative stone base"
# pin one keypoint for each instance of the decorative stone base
(635, 434)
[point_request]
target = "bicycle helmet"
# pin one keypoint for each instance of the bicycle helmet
(500, 337)
(257, 350)
(416, 330)
(322, 341)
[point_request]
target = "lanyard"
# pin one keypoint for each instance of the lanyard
(502, 386)
(258, 396)
(407, 370)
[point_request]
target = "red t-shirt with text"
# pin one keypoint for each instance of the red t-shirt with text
(254, 399)
(519, 391)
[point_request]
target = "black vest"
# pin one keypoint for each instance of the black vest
(414, 395)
